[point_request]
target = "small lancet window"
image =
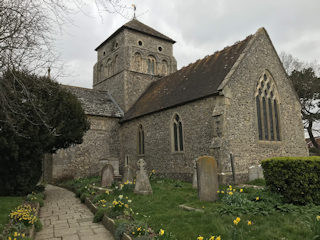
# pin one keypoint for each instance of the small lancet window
(151, 65)
(267, 106)
(137, 62)
(177, 134)
(140, 140)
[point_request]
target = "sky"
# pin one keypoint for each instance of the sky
(199, 28)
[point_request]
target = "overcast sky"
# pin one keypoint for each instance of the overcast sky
(200, 28)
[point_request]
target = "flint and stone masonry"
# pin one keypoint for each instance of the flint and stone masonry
(136, 85)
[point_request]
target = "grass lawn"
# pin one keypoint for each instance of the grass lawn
(161, 210)
(6, 205)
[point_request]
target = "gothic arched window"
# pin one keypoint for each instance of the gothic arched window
(137, 62)
(152, 66)
(177, 134)
(164, 66)
(267, 104)
(140, 140)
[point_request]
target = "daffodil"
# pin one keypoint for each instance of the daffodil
(218, 238)
(318, 218)
(212, 238)
(241, 190)
(249, 223)
(257, 198)
(200, 238)
(161, 232)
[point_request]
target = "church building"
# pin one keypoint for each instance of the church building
(237, 105)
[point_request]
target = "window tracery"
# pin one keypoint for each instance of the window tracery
(267, 106)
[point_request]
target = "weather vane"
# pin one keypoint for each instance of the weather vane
(134, 11)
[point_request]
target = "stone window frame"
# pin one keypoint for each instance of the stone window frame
(164, 73)
(134, 64)
(151, 65)
(141, 142)
(108, 67)
(115, 64)
(267, 105)
(177, 140)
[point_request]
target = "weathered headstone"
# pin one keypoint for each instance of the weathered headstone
(207, 178)
(107, 176)
(255, 172)
(143, 185)
(127, 174)
(195, 178)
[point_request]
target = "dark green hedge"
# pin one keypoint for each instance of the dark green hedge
(297, 179)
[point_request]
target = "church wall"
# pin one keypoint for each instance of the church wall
(197, 132)
(241, 127)
(100, 143)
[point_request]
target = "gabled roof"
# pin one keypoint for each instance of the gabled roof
(94, 102)
(195, 81)
(138, 26)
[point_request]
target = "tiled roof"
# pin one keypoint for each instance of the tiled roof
(94, 102)
(190, 83)
(138, 26)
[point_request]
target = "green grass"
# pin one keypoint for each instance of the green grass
(161, 210)
(6, 205)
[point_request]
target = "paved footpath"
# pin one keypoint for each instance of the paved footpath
(64, 217)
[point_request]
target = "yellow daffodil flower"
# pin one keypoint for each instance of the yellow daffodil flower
(218, 238)
(161, 232)
(200, 238)
(257, 198)
(249, 223)
(241, 190)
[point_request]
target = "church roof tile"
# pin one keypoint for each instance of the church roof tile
(195, 81)
(94, 102)
(138, 26)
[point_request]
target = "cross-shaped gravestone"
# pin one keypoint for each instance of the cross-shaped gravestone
(143, 185)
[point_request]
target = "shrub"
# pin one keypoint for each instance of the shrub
(297, 179)
(99, 215)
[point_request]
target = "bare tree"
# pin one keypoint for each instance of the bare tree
(27, 29)
(305, 79)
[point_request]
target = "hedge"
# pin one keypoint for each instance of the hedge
(297, 179)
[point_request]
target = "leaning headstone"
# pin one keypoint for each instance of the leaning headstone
(127, 174)
(207, 178)
(143, 185)
(195, 180)
(255, 172)
(107, 176)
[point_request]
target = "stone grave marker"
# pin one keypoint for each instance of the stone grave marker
(207, 173)
(195, 180)
(127, 174)
(143, 185)
(255, 172)
(107, 176)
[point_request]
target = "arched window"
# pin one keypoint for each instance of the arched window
(177, 134)
(152, 66)
(137, 62)
(115, 64)
(164, 67)
(108, 68)
(140, 140)
(267, 104)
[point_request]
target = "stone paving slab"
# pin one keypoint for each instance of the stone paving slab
(65, 218)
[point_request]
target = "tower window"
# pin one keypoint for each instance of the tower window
(160, 49)
(177, 136)
(140, 43)
(151, 65)
(137, 62)
(267, 105)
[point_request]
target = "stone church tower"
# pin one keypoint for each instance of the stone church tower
(130, 59)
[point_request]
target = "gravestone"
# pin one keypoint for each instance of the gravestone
(255, 172)
(143, 185)
(195, 180)
(127, 174)
(107, 176)
(207, 178)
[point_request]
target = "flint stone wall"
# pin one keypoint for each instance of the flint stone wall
(100, 143)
